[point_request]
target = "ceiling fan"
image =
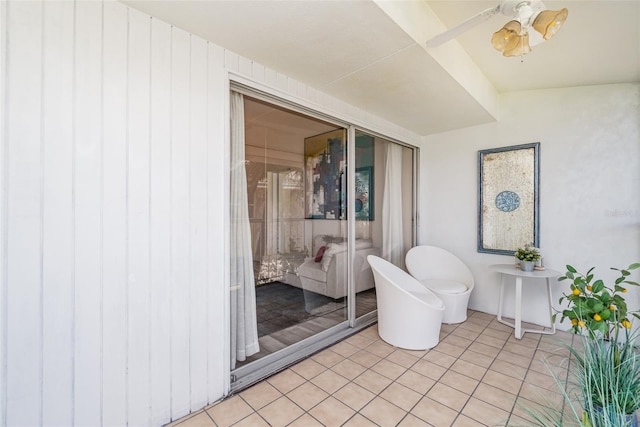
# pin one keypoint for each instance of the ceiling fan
(515, 38)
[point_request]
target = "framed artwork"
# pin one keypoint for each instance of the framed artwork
(364, 193)
(508, 201)
(325, 165)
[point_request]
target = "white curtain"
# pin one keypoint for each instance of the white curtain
(244, 326)
(392, 233)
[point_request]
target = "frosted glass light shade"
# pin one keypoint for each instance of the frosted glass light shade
(517, 46)
(549, 22)
(505, 35)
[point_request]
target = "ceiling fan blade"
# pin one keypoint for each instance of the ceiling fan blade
(454, 32)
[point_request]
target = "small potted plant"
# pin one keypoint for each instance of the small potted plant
(527, 257)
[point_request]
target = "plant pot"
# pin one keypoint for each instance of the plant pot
(527, 265)
(628, 420)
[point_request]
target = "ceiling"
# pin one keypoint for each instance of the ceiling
(372, 53)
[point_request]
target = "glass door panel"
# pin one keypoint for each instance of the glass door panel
(384, 210)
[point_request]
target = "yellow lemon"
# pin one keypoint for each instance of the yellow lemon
(612, 307)
(589, 287)
(623, 290)
(576, 291)
(574, 322)
(597, 317)
(626, 324)
(581, 324)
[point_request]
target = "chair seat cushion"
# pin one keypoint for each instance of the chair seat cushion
(445, 286)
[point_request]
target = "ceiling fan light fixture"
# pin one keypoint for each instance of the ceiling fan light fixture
(506, 35)
(517, 46)
(549, 22)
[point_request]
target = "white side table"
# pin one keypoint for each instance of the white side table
(512, 270)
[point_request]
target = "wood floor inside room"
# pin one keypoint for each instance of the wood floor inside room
(287, 315)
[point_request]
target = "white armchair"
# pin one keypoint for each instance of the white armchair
(444, 274)
(409, 315)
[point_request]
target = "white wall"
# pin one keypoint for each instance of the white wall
(589, 185)
(113, 155)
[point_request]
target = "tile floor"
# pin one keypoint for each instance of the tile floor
(478, 375)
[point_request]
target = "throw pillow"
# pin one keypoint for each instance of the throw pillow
(320, 254)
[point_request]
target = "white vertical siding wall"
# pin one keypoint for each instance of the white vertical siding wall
(113, 169)
(112, 176)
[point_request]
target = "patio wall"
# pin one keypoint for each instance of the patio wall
(589, 185)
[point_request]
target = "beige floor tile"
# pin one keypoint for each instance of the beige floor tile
(495, 396)
(416, 382)
(372, 381)
(286, 381)
(448, 396)
(348, 369)
(545, 381)
(492, 341)
(253, 420)
(503, 335)
(280, 412)
(461, 342)
(487, 350)
(359, 421)
(200, 419)
(229, 411)
(359, 340)
(477, 358)
(520, 349)
(308, 368)
(331, 412)
(307, 395)
(530, 340)
(388, 369)
(305, 420)
(402, 358)
(472, 326)
(381, 349)
(441, 357)
(345, 349)
(469, 369)
(453, 351)
(401, 396)
(428, 369)
(327, 358)
(541, 395)
(514, 359)
(466, 333)
(485, 413)
(435, 413)
(460, 382)
(260, 395)
(509, 369)
(413, 421)
(364, 358)
(464, 421)
(329, 381)
(383, 413)
(354, 396)
(502, 381)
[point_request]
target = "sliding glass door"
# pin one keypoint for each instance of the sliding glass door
(300, 279)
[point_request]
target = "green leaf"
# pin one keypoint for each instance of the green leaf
(625, 273)
(589, 277)
(632, 283)
(619, 280)
(570, 275)
(598, 286)
(561, 278)
(571, 269)
(634, 266)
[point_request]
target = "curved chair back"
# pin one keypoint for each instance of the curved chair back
(431, 262)
(409, 315)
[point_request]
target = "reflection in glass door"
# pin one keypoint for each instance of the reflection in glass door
(295, 170)
(384, 210)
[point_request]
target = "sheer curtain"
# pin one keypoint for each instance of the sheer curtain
(392, 234)
(244, 326)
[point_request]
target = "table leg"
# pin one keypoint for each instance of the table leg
(500, 298)
(553, 324)
(518, 320)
